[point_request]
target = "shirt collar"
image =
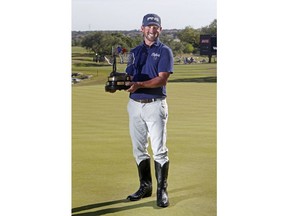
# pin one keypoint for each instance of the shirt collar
(157, 43)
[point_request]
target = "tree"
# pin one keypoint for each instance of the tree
(190, 39)
(210, 29)
(102, 43)
(94, 42)
(190, 35)
(188, 48)
(176, 46)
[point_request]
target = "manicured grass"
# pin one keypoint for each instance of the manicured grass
(103, 168)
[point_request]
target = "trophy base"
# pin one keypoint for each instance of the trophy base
(113, 88)
(117, 81)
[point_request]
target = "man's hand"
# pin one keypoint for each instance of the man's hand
(133, 87)
(159, 81)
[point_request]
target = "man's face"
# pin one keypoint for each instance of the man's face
(151, 32)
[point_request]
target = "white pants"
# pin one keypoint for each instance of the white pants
(148, 120)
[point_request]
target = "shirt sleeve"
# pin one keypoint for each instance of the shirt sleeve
(166, 61)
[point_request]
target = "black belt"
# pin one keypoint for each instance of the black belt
(147, 100)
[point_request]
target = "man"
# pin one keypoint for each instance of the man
(149, 66)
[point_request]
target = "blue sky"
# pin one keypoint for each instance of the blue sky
(127, 14)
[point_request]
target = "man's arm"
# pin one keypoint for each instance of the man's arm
(159, 81)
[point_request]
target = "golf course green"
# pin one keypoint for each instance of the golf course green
(104, 172)
(103, 168)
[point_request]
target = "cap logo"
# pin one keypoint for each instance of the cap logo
(153, 18)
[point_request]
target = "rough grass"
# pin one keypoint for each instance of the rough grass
(103, 168)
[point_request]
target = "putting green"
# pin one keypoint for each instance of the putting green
(103, 168)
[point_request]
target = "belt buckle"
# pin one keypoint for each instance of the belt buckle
(146, 100)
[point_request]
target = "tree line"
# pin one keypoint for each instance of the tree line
(180, 41)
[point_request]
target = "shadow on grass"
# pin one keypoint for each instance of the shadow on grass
(198, 79)
(97, 205)
(108, 209)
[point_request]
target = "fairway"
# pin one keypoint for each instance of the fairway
(103, 168)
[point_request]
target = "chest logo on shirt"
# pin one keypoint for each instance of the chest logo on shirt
(155, 56)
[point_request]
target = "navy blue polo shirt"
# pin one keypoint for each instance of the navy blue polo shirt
(145, 63)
